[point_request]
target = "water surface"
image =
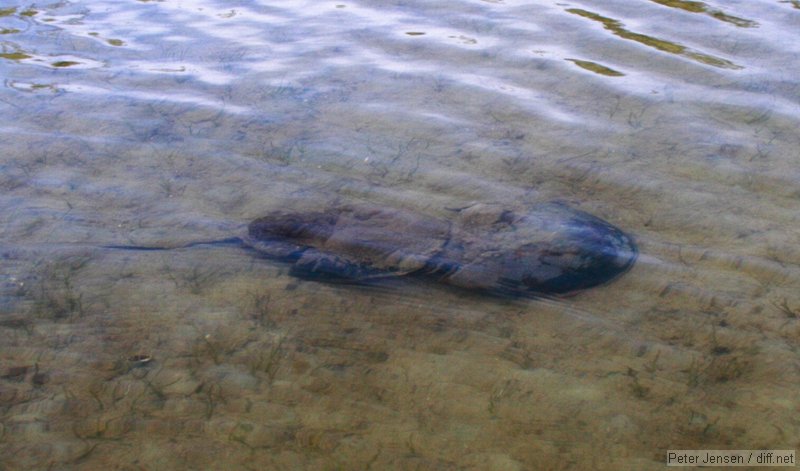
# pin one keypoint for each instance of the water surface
(163, 122)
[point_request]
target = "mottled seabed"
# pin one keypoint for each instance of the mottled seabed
(166, 122)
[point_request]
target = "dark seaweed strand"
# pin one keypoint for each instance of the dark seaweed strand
(231, 241)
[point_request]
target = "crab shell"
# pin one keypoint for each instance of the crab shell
(548, 249)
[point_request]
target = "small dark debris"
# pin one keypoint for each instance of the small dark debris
(377, 357)
(337, 367)
(39, 379)
(16, 373)
(720, 350)
(15, 323)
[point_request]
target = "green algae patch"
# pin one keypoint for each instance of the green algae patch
(42, 86)
(694, 7)
(7, 11)
(9, 30)
(14, 56)
(64, 63)
(29, 13)
(711, 60)
(700, 7)
(596, 68)
(618, 29)
(33, 87)
(741, 22)
(112, 42)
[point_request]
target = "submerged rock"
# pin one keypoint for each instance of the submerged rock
(547, 249)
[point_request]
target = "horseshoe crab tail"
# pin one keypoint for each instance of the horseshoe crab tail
(230, 241)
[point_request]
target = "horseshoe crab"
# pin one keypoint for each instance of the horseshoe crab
(549, 249)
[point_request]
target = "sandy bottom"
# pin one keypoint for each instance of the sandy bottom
(230, 364)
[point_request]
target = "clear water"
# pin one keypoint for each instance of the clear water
(160, 122)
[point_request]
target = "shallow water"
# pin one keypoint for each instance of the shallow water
(161, 122)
